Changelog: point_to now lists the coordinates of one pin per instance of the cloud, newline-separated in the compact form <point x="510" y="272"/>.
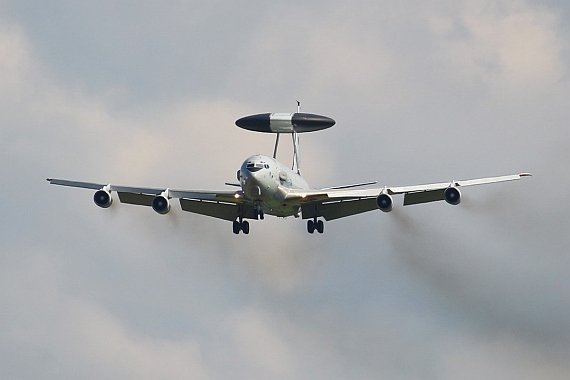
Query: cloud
<point x="62" y="335"/>
<point x="501" y="355"/>
<point x="507" y="46"/>
<point x="149" y="97"/>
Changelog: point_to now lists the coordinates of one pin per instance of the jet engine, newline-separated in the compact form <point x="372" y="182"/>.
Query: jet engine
<point x="103" y="198"/>
<point x="452" y="195"/>
<point x="161" y="204"/>
<point x="384" y="202"/>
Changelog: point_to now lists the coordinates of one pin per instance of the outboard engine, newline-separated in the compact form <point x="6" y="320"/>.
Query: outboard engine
<point x="384" y="202"/>
<point x="452" y="195"/>
<point x="161" y="204"/>
<point x="103" y="198"/>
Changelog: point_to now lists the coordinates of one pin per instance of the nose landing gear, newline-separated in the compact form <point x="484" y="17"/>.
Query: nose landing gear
<point x="315" y="224"/>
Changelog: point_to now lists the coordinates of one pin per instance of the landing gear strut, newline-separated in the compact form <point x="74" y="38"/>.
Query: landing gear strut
<point x="315" y="224"/>
<point x="258" y="214"/>
<point x="241" y="226"/>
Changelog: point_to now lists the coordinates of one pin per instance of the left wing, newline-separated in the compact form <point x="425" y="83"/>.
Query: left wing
<point x="334" y="203"/>
<point x="223" y="204"/>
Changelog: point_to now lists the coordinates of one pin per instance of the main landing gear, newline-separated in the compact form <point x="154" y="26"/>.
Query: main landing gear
<point x="241" y="226"/>
<point x="258" y="214"/>
<point x="315" y="224"/>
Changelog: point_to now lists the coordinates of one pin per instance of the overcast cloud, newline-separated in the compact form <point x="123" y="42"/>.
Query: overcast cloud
<point x="146" y="93"/>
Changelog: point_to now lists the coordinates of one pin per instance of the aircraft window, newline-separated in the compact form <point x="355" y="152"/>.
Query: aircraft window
<point x="255" y="166"/>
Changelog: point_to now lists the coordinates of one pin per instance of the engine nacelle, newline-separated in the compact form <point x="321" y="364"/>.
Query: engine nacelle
<point x="452" y="195"/>
<point x="161" y="204"/>
<point x="103" y="198"/>
<point x="384" y="202"/>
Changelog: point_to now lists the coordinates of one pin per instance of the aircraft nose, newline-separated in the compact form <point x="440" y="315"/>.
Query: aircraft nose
<point x="251" y="185"/>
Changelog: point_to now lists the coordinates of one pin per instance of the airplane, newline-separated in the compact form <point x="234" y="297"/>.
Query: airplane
<point x="268" y="187"/>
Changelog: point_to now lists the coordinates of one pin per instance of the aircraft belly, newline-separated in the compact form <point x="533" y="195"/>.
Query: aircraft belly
<point x="281" y="210"/>
<point x="276" y="207"/>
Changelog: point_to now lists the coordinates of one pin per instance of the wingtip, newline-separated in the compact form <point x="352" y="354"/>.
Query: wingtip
<point x="525" y="175"/>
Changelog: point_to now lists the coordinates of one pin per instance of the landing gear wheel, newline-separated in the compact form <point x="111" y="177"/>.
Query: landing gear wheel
<point x="236" y="227"/>
<point x="320" y="226"/>
<point x="241" y="226"/>
<point x="245" y="227"/>
<point x="310" y="226"/>
<point x="315" y="224"/>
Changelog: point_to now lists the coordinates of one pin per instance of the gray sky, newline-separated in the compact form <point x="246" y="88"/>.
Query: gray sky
<point x="146" y="93"/>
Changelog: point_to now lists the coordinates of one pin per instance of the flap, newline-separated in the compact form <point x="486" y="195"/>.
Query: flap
<point x="136" y="199"/>
<point x="424" y="197"/>
<point x="338" y="209"/>
<point x="220" y="210"/>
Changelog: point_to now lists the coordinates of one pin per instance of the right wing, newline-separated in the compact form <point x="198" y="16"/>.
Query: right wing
<point x="335" y="203"/>
<point x="223" y="204"/>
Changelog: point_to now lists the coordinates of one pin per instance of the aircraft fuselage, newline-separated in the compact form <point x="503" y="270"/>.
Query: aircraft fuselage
<point x="267" y="182"/>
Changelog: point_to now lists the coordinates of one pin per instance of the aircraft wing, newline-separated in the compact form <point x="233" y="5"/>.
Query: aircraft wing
<point x="221" y="204"/>
<point x="334" y="203"/>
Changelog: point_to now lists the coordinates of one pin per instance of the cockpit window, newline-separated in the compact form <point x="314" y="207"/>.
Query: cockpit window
<point x="255" y="166"/>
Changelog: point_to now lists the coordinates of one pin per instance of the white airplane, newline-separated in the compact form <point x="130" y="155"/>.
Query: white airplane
<point x="270" y="187"/>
